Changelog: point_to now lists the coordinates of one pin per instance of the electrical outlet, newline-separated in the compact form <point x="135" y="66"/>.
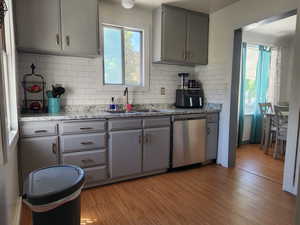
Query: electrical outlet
<point x="162" y="91"/>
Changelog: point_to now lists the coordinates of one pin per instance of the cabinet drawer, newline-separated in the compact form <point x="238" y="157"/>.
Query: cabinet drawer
<point x="212" y="118"/>
<point x="156" y="122"/>
<point x="82" y="127"/>
<point x="39" y="129"/>
<point x="85" y="159"/>
<point x="95" y="174"/>
<point x="126" y="124"/>
<point x="80" y="142"/>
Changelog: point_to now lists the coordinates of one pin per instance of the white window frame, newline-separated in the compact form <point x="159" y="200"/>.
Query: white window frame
<point x="146" y="57"/>
<point x="9" y="111"/>
<point x="142" y="71"/>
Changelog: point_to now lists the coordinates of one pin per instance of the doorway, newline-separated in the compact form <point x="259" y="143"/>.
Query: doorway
<point x="265" y="74"/>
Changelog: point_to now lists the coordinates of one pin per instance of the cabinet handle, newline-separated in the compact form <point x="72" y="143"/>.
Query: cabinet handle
<point x="184" y="55"/>
<point x="40" y="131"/>
<point x="86" y="128"/>
<point x="89" y="177"/>
<point x="146" y="139"/>
<point x="54" y="148"/>
<point x="57" y="39"/>
<point x="68" y="40"/>
<point x="86" y="161"/>
<point x="87" y="143"/>
<point x="208" y="130"/>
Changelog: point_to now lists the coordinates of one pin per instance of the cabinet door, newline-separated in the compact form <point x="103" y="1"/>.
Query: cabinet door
<point x="37" y="153"/>
<point x="156" y="154"/>
<point x="197" y="38"/>
<point x="173" y="34"/>
<point x="212" y="141"/>
<point x="38" y="25"/>
<point x="125" y="149"/>
<point x="80" y="27"/>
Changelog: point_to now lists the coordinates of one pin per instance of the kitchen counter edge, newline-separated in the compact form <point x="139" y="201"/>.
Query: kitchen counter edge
<point x="107" y="115"/>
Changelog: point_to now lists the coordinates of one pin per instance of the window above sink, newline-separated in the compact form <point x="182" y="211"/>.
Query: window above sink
<point x="123" y="58"/>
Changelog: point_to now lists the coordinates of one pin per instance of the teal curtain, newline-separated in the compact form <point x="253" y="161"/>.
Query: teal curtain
<point x="242" y="94"/>
<point x="262" y="85"/>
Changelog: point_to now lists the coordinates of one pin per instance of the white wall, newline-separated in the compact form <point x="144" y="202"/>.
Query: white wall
<point x="9" y="189"/>
<point x="264" y="39"/>
<point x="247" y="128"/>
<point x="82" y="76"/>
<point x="219" y="70"/>
<point x="288" y="52"/>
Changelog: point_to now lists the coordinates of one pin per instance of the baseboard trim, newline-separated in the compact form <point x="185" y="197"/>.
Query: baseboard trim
<point x="18" y="212"/>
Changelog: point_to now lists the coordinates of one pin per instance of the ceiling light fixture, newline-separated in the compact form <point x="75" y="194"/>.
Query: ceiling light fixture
<point x="128" y="4"/>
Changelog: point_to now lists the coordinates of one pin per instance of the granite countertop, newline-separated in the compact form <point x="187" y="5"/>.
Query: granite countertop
<point x="102" y="114"/>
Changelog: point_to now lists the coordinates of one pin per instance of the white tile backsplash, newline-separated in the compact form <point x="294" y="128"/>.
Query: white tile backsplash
<point x="213" y="81"/>
<point x="81" y="78"/>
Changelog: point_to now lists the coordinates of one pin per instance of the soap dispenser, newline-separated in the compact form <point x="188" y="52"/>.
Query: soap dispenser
<point x="112" y="105"/>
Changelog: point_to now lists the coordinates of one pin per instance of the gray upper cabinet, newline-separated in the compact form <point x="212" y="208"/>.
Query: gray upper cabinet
<point x="156" y="154"/>
<point x="212" y="141"/>
<point x="38" y="152"/>
<point x="173" y="46"/>
<point x="197" y="38"/>
<point x="80" y="26"/>
<point x="180" y="36"/>
<point x="61" y="27"/>
<point x="38" y="25"/>
<point x="125" y="149"/>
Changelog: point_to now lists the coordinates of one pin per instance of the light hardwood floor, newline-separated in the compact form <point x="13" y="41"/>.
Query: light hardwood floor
<point x="210" y="195"/>
<point x="252" y="159"/>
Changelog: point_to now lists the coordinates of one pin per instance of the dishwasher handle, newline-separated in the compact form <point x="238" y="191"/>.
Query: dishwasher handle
<point x="189" y="117"/>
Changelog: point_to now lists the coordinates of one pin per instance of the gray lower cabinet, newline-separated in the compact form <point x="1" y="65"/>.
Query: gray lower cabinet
<point x="212" y="141"/>
<point x="125" y="149"/>
<point x="156" y="149"/>
<point x="38" y="152"/>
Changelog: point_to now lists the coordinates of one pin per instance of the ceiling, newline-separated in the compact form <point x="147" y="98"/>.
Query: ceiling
<point x="278" y="29"/>
<point x="207" y="6"/>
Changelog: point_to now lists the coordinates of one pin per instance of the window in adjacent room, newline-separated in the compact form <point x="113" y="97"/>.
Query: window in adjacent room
<point x="9" y="120"/>
<point x="123" y="60"/>
<point x="250" y="79"/>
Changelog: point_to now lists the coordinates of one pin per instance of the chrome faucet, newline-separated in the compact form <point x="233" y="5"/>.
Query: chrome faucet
<point x="126" y="94"/>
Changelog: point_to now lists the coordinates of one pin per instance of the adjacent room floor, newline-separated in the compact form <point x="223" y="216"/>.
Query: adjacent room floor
<point x="210" y="195"/>
<point x="253" y="160"/>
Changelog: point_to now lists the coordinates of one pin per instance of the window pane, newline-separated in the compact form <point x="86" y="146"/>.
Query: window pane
<point x="6" y="85"/>
<point x="250" y="89"/>
<point x="112" y="55"/>
<point x="133" y="57"/>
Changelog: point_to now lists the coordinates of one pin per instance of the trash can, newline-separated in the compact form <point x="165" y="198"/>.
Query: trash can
<point x="53" y="194"/>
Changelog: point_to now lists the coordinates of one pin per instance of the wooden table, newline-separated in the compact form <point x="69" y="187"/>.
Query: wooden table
<point x="269" y="117"/>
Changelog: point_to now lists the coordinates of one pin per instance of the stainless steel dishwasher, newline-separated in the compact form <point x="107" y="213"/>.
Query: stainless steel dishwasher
<point x="189" y="140"/>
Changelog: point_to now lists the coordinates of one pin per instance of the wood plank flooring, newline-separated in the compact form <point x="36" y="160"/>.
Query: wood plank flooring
<point x="252" y="159"/>
<point x="210" y="195"/>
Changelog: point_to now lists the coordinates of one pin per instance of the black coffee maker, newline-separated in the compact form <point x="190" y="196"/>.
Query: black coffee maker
<point x="189" y="96"/>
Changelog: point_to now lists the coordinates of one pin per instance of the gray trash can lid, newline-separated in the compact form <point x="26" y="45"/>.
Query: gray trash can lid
<point x="51" y="184"/>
